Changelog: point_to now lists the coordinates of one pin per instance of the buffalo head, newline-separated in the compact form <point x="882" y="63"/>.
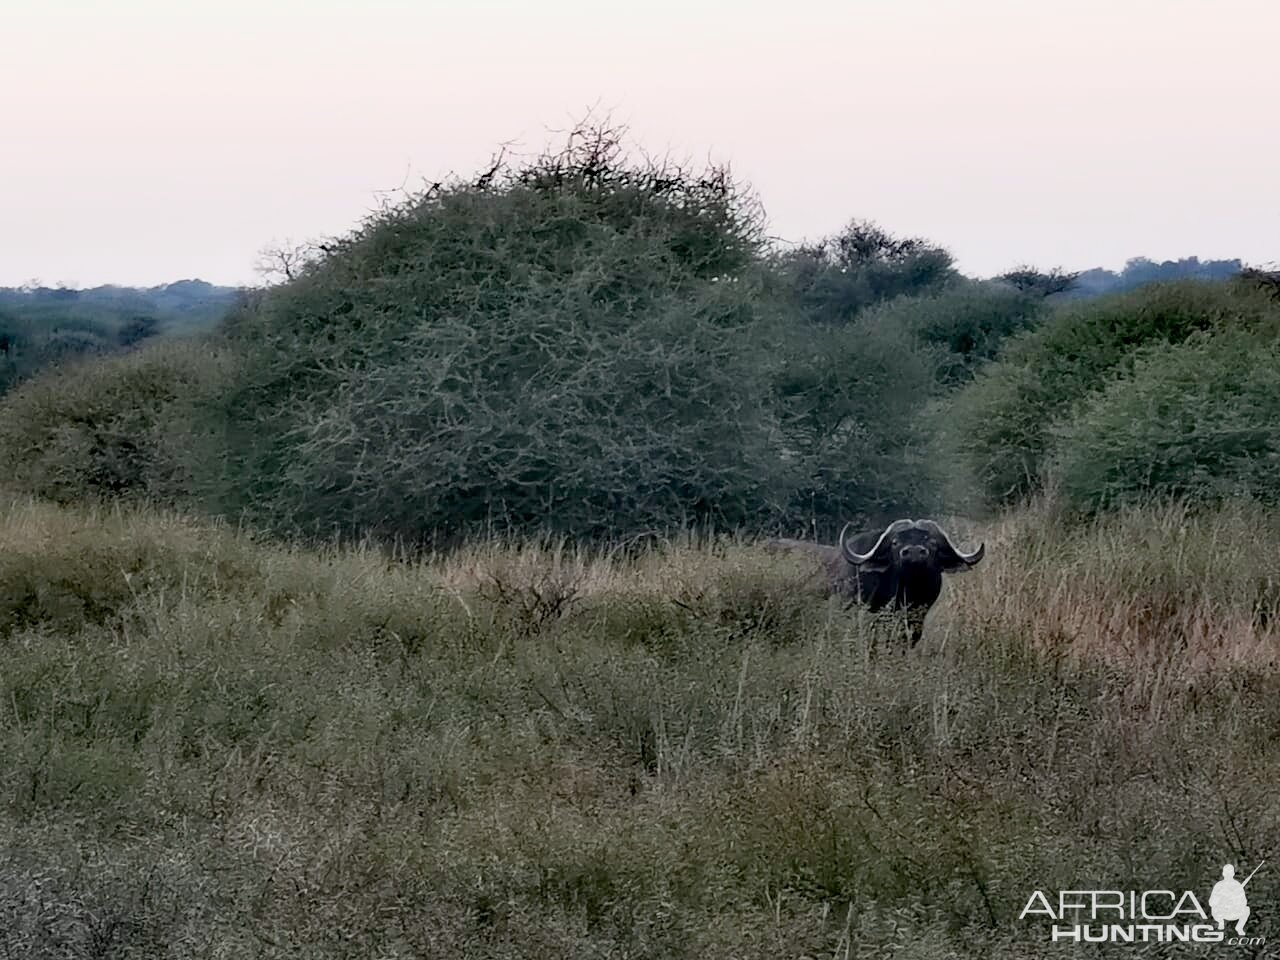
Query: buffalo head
<point x="907" y="544"/>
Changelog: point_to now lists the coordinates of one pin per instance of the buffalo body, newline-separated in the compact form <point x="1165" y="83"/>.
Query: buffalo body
<point x="898" y="568"/>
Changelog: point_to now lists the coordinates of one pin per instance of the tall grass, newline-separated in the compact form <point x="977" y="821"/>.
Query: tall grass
<point x="221" y="747"/>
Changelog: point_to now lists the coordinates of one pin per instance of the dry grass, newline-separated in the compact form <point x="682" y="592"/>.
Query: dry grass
<point x="1159" y="589"/>
<point x="217" y="747"/>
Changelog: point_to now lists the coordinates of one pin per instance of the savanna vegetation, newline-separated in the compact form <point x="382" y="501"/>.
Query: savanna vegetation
<point x="416" y="608"/>
<point x="218" y="746"/>
<point x="44" y="327"/>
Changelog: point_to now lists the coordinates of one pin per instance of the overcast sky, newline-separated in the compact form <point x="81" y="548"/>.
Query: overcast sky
<point x="147" y="141"/>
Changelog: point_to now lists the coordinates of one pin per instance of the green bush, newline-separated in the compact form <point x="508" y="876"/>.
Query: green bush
<point x="999" y="428"/>
<point x="860" y="401"/>
<point x="1199" y="420"/>
<point x="27" y="346"/>
<point x="852" y="402"/>
<point x="119" y="426"/>
<point x="964" y="323"/>
<point x="15" y="350"/>
<point x="833" y="280"/>
<point x="1040" y="283"/>
<point x="576" y="345"/>
<point x="34" y="339"/>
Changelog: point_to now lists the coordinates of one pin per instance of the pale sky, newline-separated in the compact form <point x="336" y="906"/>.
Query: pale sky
<point x="146" y="141"/>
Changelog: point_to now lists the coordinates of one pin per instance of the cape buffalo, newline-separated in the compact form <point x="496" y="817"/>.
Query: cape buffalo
<point x="898" y="568"/>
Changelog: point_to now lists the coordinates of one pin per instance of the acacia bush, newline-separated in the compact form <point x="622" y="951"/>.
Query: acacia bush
<point x="132" y="425"/>
<point x="851" y="402"/>
<point x="1199" y="421"/>
<point x="39" y="337"/>
<point x="999" y="429"/>
<point x="1040" y="283"/>
<point x="963" y="323"/>
<point x="576" y="344"/>
<point x="27" y="346"/>
<point x="834" y="279"/>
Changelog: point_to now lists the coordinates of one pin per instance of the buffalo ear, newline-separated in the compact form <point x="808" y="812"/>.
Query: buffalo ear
<point x="949" y="558"/>
<point x="879" y="562"/>
<point x="880" y="558"/>
<point x="953" y="562"/>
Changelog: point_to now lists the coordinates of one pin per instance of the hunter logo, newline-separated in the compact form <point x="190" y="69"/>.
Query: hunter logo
<point x="1228" y="900"/>
<point x="1148" y="916"/>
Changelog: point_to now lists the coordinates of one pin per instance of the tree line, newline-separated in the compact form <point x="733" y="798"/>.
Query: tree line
<point x="590" y="344"/>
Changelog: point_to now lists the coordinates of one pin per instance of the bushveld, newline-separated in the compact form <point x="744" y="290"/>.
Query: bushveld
<point x="218" y="746"/>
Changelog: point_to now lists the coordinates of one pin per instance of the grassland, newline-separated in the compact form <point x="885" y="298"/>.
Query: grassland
<point x="216" y="746"/>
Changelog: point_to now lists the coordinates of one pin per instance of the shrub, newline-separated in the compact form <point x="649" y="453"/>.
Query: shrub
<point x="136" y="329"/>
<point x="28" y="345"/>
<point x="964" y="323"/>
<point x="833" y="280"/>
<point x="69" y="343"/>
<point x="117" y="426"/>
<point x="573" y="345"/>
<point x="1038" y="282"/>
<point x="15" y="350"/>
<point x="852" y="404"/>
<point x="860" y="401"/>
<point x="1199" y="420"/>
<point x="999" y="427"/>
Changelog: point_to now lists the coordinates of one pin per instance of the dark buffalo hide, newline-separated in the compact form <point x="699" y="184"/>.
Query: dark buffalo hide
<point x="898" y="568"/>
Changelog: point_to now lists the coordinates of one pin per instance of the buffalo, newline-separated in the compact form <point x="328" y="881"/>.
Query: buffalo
<point x="898" y="568"/>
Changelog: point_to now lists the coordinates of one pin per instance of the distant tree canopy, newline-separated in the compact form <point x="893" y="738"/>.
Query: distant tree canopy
<point x="45" y="326"/>
<point x="833" y="280"/>
<point x="27" y="346"/>
<point x="1039" y="282"/>
<point x="184" y="302"/>
<point x="136" y="329"/>
<point x="1139" y="271"/>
